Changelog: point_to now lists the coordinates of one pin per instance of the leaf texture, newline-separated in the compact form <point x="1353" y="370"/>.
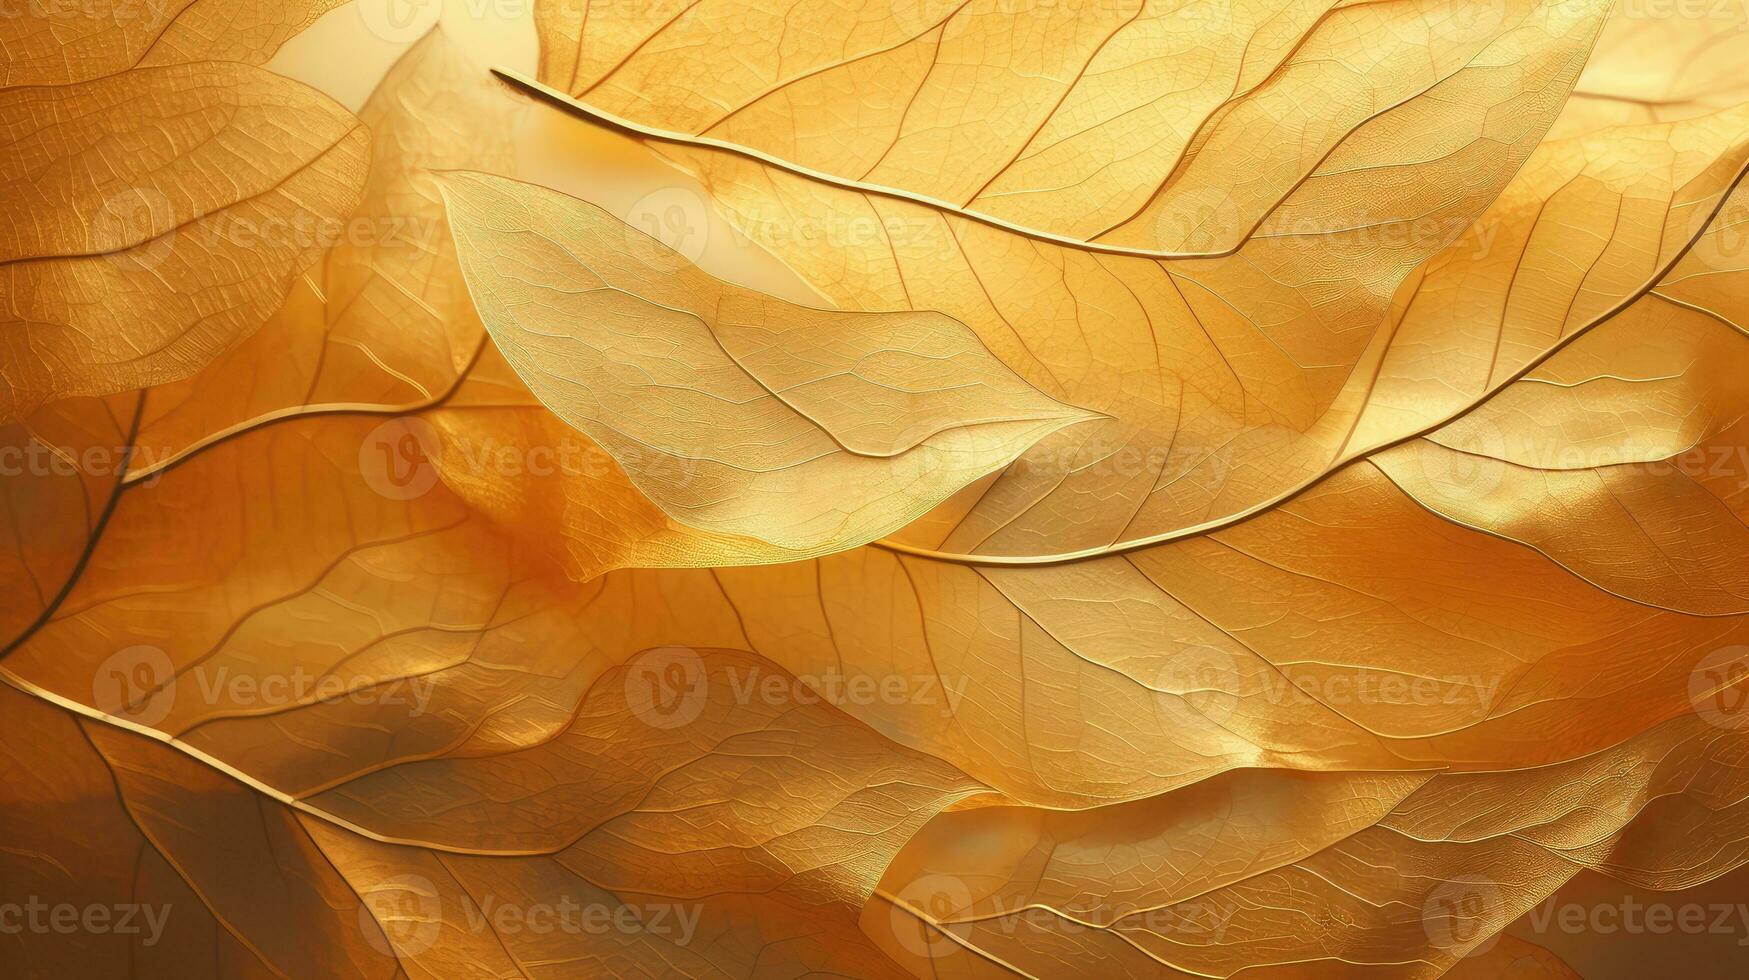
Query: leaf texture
<point x="156" y="216"/>
<point x="734" y="411"/>
<point x="58" y="44"/>
<point x="1248" y="499"/>
<point x="1243" y="380"/>
<point x="1116" y="124"/>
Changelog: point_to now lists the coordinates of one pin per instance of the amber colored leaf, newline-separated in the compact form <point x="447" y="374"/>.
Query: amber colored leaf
<point x="1130" y="126"/>
<point x="1408" y="875"/>
<point x="222" y="880"/>
<point x="1659" y="62"/>
<point x="1229" y="384"/>
<point x="155" y="217"/>
<point x="383" y="321"/>
<point x="1591" y="226"/>
<point x="1387" y="573"/>
<point x="433" y="654"/>
<point x="54" y="43"/>
<point x="1075" y="685"/>
<point x="734" y="411"/>
<point x="1624" y="457"/>
<point x="214" y="879"/>
<point x="61" y="466"/>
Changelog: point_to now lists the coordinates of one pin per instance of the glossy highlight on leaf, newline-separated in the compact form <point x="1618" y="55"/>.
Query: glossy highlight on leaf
<point x="919" y="488"/>
<point x="736" y="412"/>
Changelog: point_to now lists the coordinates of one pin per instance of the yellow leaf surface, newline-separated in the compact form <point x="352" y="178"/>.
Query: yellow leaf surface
<point x="53" y="43"/>
<point x="1624" y="457"/>
<point x="157" y="216"/>
<point x="1659" y="62"/>
<point x="1229" y="384"/>
<point x="1239" y="500"/>
<point x="1134" y="126"/>
<point x="383" y="320"/>
<point x="209" y="878"/>
<point x="217" y="879"/>
<point x="734" y="411"/>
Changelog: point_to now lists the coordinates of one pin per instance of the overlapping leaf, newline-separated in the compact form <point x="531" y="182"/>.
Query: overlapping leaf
<point x="1657" y="62"/>
<point x="157" y="207"/>
<point x="736" y="412"/>
<point x="1399" y="580"/>
<point x="1118" y="124"/>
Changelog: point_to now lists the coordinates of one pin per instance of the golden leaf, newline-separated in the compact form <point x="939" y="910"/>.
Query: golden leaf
<point x="218" y="879"/>
<point x="1231" y="383"/>
<point x="1130" y="126"/>
<point x="1659" y="62"/>
<point x="1621" y="458"/>
<point x="1244" y="502"/>
<point x="1232" y="874"/>
<point x="194" y="875"/>
<point x="383" y="322"/>
<point x="54" y="43"/>
<point x="62" y="466"/>
<point x="736" y="412"/>
<point x="159" y="213"/>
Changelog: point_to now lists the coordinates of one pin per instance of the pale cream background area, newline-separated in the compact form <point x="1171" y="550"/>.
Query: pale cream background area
<point x="347" y="52"/>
